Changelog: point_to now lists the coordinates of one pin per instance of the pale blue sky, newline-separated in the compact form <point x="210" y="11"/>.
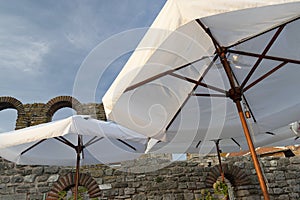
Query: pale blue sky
<point x="43" y="43"/>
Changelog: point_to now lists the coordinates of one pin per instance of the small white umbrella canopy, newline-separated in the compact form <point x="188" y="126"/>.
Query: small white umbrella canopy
<point x="201" y="61"/>
<point x="72" y="141"/>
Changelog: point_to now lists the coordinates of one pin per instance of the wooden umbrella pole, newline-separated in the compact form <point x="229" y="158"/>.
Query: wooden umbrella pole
<point x="235" y="93"/>
<point x="252" y="151"/>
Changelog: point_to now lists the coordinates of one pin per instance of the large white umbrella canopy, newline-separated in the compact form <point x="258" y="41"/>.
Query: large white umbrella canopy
<point x="177" y="52"/>
<point x="74" y="141"/>
<point x="201" y="61"/>
<point x="53" y="143"/>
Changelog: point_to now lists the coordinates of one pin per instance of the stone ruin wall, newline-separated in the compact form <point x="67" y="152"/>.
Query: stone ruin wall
<point x="149" y="178"/>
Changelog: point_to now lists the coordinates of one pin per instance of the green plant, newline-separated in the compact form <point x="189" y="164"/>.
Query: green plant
<point x="81" y="192"/>
<point x="221" y="187"/>
<point x="206" y="195"/>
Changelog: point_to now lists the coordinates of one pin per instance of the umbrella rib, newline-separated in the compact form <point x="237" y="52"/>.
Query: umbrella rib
<point x="198" y="83"/>
<point x="65" y="141"/>
<point x="264" y="56"/>
<point x="207" y="30"/>
<point x="190" y="94"/>
<point x="31" y="147"/>
<point x="197" y="145"/>
<point x="92" y="141"/>
<point x="264" y="76"/>
<point x="122" y="141"/>
<point x="258" y="61"/>
<point x="209" y="95"/>
<point x="162" y="74"/>
<point x="271" y="29"/>
<point x="236" y="142"/>
<point x="269" y="133"/>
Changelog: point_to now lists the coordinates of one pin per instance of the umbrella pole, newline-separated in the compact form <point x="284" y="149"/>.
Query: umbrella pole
<point x="77" y="176"/>
<point x="252" y="151"/>
<point x="78" y="151"/>
<point x="235" y="93"/>
<point x="219" y="158"/>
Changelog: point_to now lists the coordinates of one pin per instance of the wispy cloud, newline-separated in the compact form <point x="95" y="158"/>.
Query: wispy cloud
<point x="22" y="53"/>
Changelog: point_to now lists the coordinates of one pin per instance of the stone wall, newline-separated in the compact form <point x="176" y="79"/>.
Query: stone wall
<point x="149" y="178"/>
<point x="156" y="179"/>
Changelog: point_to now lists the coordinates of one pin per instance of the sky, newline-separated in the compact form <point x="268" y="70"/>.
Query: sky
<point x="45" y="46"/>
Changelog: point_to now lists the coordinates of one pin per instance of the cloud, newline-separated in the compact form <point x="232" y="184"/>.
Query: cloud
<point x="22" y="53"/>
<point x="43" y="43"/>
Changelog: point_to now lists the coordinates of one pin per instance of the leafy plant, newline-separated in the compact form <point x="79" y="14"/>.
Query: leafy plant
<point x="81" y="194"/>
<point x="206" y="195"/>
<point x="221" y="187"/>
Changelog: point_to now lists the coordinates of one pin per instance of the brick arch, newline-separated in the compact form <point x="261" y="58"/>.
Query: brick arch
<point x="11" y="102"/>
<point x="67" y="182"/>
<point x="62" y="102"/>
<point x="235" y="175"/>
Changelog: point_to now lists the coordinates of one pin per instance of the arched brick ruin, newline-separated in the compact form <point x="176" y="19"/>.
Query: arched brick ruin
<point x="37" y="113"/>
<point x="13" y="103"/>
<point x="62" y="102"/>
<point x="235" y="175"/>
<point x="66" y="182"/>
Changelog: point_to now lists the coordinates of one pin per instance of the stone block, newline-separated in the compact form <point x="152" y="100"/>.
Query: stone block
<point x="53" y="178"/>
<point x="242" y="193"/>
<point x="283" y="197"/>
<point x="129" y="191"/>
<point x="13" y="197"/>
<point x="277" y="190"/>
<point x="38" y="171"/>
<point x="295" y="160"/>
<point x="51" y="169"/>
<point x="29" y="178"/>
<point x="17" y="179"/>
<point x="191" y="185"/>
<point x="42" y="178"/>
<point x="139" y="197"/>
<point x="273" y="163"/>
<point x="294" y="195"/>
<point x="189" y="195"/>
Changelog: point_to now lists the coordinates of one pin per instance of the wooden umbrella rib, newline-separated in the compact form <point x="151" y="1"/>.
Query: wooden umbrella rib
<point x="65" y="141"/>
<point x="245" y="53"/>
<point x="122" y="141"/>
<point x="93" y="141"/>
<point x="209" y="95"/>
<point x="258" y="61"/>
<point x="199" y="83"/>
<point x="264" y="76"/>
<point x="207" y="30"/>
<point x="31" y="147"/>
<point x="236" y="142"/>
<point x="198" y="144"/>
<point x="194" y="88"/>
<point x="162" y="75"/>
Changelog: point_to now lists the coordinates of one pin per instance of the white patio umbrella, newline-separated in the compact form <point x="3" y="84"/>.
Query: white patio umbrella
<point x="78" y="140"/>
<point x="201" y="62"/>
